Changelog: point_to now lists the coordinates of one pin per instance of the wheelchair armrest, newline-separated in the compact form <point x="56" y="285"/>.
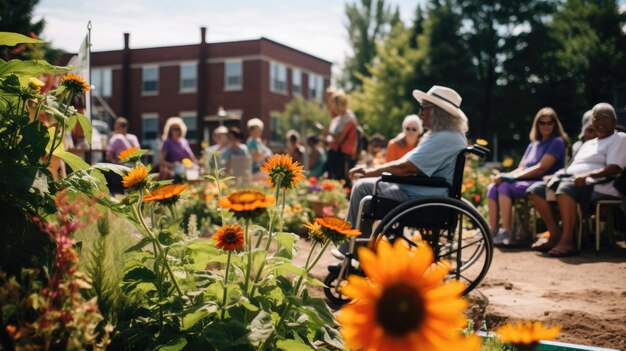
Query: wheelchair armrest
<point x="436" y="182"/>
<point x="478" y="150"/>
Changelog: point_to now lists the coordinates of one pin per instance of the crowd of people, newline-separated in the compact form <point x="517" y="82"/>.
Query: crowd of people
<point x="427" y="144"/>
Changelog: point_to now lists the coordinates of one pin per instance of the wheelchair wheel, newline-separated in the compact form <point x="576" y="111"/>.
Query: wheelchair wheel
<point x="457" y="233"/>
<point x="330" y="290"/>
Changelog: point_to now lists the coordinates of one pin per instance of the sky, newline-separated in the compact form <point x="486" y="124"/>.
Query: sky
<point x="316" y="27"/>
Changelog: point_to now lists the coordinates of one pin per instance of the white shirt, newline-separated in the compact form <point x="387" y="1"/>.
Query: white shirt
<point x="599" y="153"/>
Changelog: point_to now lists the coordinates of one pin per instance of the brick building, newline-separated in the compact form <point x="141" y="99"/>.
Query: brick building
<point x="249" y="78"/>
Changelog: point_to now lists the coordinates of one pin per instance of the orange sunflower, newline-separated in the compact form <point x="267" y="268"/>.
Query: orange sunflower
<point x="336" y="229"/>
<point x="136" y="177"/>
<point x="74" y="83"/>
<point x="404" y="303"/>
<point x="525" y="335"/>
<point x="229" y="237"/>
<point x="124" y="155"/>
<point x="282" y="168"/>
<point x="166" y="193"/>
<point x="247" y="203"/>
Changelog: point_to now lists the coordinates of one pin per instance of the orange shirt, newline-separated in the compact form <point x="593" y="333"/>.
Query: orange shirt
<point x="396" y="150"/>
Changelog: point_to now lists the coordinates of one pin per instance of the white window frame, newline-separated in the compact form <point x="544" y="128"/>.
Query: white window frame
<point x="296" y="84"/>
<point x="183" y="89"/>
<point x="278" y="75"/>
<point x="186" y="115"/>
<point x="143" y="81"/>
<point x="316" y="85"/>
<point x="227" y="85"/>
<point x="102" y="79"/>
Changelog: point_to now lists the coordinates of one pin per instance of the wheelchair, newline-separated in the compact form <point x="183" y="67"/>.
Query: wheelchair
<point x="451" y="225"/>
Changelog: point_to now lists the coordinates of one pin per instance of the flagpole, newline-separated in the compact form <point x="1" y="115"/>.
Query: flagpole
<point x="88" y="95"/>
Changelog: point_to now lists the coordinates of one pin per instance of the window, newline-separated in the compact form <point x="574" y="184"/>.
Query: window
<point x="188" y="77"/>
<point x="101" y="79"/>
<point x="278" y="78"/>
<point x="316" y="86"/>
<point x="296" y="82"/>
<point x="149" y="128"/>
<point x="233" y="75"/>
<point x="191" y="121"/>
<point x="150" y="80"/>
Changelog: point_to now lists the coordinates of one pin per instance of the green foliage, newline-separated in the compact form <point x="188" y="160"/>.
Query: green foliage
<point x="302" y="115"/>
<point x="367" y="23"/>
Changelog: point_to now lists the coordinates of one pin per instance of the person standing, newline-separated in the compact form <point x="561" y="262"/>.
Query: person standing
<point x="256" y="147"/>
<point x="342" y="149"/>
<point x="120" y="141"/>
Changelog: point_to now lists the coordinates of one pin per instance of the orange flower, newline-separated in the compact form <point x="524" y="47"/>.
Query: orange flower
<point x="482" y="142"/>
<point x="127" y="153"/>
<point x="327" y="185"/>
<point x="526" y="333"/>
<point x="136" y="177"/>
<point x="166" y="192"/>
<point x="246" y="204"/>
<point x="74" y="83"/>
<point x="229" y="237"/>
<point x="315" y="231"/>
<point x="282" y="168"/>
<point x="336" y="229"/>
<point x="403" y="304"/>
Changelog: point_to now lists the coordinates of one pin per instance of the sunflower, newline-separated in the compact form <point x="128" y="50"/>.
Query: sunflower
<point x="124" y="155"/>
<point x="315" y="231"/>
<point x="166" y="193"/>
<point x="35" y="84"/>
<point x="282" y="168"/>
<point x="229" y="237"/>
<point x="525" y="335"/>
<point x="336" y="229"/>
<point x="404" y="303"/>
<point x="136" y="177"/>
<point x="247" y="203"/>
<point x="74" y="83"/>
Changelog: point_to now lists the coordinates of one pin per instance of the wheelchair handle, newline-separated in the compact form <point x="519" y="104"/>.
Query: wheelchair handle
<point x="478" y="150"/>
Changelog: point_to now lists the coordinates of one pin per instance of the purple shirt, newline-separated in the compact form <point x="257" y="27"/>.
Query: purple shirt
<point x="554" y="146"/>
<point x="176" y="151"/>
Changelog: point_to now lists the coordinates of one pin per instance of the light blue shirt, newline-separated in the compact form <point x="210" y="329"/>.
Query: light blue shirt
<point x="435" y="157"/>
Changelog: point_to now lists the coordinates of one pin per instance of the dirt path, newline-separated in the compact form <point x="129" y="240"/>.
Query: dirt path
<point x="585" y="294"/>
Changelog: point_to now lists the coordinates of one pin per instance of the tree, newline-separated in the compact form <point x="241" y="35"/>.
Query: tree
<point x="301" y="115"/>
<point x="368" y="23"/>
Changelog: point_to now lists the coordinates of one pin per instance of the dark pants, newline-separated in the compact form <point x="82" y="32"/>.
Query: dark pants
<point x="338" y="164"/>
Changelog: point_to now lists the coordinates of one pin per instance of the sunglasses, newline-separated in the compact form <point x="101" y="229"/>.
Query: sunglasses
<point x="409" y="129"/>
<point x="424" y="107"/>
<point x="175" y="129"/>
<point x="545" y="123"/>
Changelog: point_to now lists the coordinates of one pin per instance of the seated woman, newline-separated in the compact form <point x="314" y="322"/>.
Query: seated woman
<point x="407" y="140"/>
<point x="435" y="156"/>
<point x="175" y="148"/>
<point x="597" y="159"/>
<point x="586" y="133"/>
<point x="234" y="148"/>
<point x="544" y="155"/>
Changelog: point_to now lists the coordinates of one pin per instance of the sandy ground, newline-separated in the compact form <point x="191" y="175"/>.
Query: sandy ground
<point x="586" y="294"/>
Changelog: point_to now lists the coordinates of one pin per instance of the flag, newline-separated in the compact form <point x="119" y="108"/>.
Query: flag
<point x="83" y="69"/>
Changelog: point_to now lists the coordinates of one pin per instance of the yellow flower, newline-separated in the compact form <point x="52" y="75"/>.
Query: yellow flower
<point x="404" y="303"/>
<point x="166" y="193"/>
<point x="246" y="204"/>
<point x="74" y="83"/>
<point x="315" y="231"/>
<point x="282" y="168"/>
<point x="526" y="333"/>
<point x="35" y="84"/>
<point x="336" y="229"/>
<point x="297" y="208"/>
<point x="136" y="177"/>
<point x="229" y="237"/>
<point x="124" y="155"/>
<point x="507" y="162"/>
<point x="482" y="142"/>
<point x="187" y="163"/>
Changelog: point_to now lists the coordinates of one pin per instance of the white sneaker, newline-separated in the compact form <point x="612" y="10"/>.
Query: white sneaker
<point x="503" y="237"/>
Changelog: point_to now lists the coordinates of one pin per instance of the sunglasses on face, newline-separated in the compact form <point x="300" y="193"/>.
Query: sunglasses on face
<point x="425" y="107"/>
<point x="175" y="129"/>
<point x="410" y="129"/>
<point x="545" y="123"/>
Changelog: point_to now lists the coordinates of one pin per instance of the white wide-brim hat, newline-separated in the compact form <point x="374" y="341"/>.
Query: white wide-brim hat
<point x="446" y="98"/>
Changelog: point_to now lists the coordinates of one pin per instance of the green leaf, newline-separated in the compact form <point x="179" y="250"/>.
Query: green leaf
<point x="12" y="39"/>
<point x="74" y="161"/>
<point x="174" y="345"/>
<point x="31" y="68"/>
<point x="86" y="125"/>
<point x="118" y="169"/>
<point x="292" y="345"/>
<point x="287" y="240"/>
<point x="191" y="319"/>
<point x="139" y="245"/>
<point x="261" y="327"/>
<point x="140" y="273"/>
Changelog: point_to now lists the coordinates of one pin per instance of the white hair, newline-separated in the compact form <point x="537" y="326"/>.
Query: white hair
<point x="413" y="119"/>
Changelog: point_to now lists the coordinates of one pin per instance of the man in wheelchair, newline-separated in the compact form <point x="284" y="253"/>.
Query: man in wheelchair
<point x="435" y="155"/>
